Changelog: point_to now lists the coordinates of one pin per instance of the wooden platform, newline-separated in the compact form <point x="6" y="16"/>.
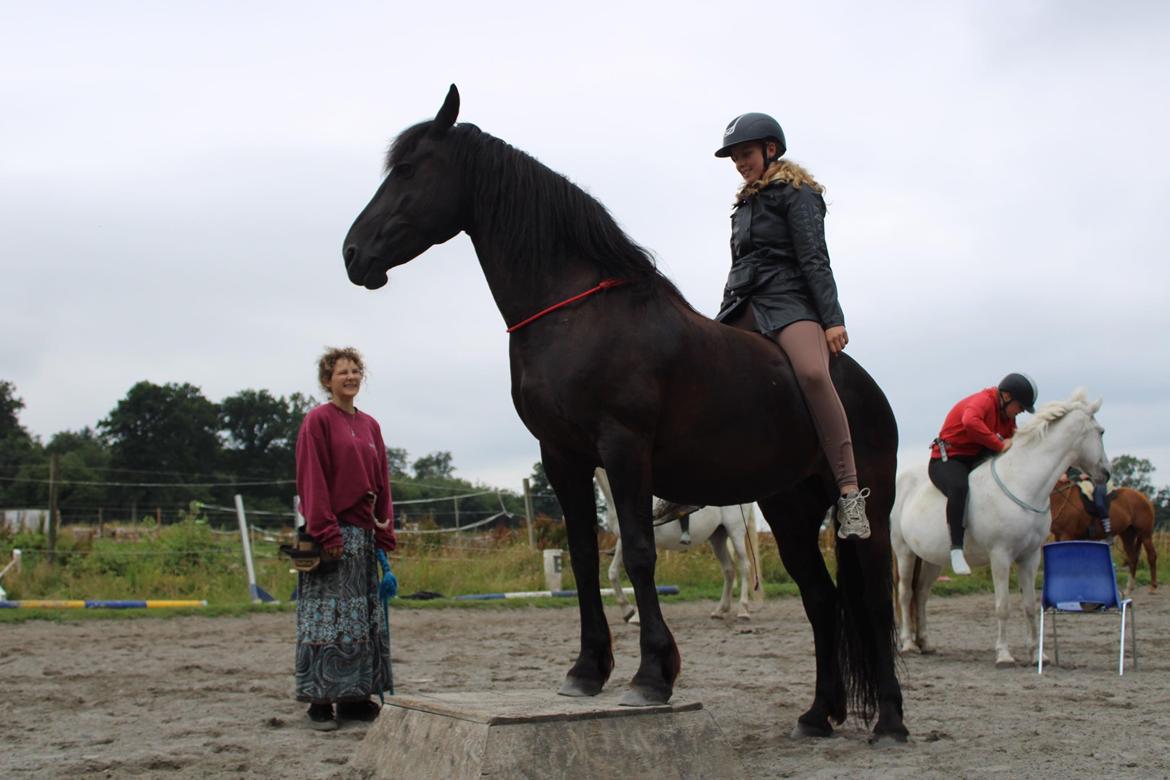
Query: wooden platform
<point x="538" y="734"/>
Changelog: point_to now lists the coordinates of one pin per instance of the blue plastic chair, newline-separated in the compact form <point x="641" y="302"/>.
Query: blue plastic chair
<point x="1079" y="577"/>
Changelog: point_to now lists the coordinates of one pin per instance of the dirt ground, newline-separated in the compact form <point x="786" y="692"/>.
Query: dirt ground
<point x="205" y="698"/>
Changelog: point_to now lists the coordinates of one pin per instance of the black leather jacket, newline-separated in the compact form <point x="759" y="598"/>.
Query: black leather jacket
<point x="779" y="260"/>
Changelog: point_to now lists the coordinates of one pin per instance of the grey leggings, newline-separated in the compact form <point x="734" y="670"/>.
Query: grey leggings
<point x="804" y="343"/>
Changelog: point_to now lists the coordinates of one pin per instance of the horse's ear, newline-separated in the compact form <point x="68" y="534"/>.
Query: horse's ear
<point x="1095" y="406"/>
<point x="447" y="114"/>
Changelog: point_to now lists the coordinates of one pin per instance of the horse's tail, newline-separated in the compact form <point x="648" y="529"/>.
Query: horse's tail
<point x="866" y="632"/>
<point x="752" y="544"/>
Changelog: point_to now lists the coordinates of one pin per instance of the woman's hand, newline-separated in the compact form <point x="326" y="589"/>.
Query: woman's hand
<point x="837" y="338"/>
<point x="1007" y="445"/>
<point x="334" y="553"/>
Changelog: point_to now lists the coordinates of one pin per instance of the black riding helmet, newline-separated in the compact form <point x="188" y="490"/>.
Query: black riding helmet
<point x="752" y="127"/>
<point x="1022" y="388"/>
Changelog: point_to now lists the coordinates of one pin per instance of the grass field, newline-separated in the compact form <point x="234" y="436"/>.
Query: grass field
<point x="189" y="560"/>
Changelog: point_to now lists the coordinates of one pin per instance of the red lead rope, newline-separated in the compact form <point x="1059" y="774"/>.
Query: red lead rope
<point x="604" y="284"/>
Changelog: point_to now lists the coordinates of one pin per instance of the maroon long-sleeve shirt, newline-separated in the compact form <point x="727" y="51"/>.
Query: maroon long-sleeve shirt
<point x="341" y="465"/>
<point x="975" y="424"/>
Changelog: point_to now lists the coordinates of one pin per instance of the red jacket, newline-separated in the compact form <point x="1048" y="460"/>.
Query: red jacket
<point x="975" y="424"/>
<point x="341" y="460"/>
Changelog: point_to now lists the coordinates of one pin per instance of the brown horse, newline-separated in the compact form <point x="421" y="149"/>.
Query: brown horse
<point x="669" y="402"/>
<point x="1131" y="515"/>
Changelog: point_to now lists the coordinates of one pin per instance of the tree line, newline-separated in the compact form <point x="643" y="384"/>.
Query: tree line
<point x="163" y="446"/>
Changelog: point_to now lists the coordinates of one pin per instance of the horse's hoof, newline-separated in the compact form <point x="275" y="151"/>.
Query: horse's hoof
<point x="717" y="615"/>
<point x="635" y="620"/>
<point x="1005" y="663"/>
<point x="575" y="686"/>
<point x="889" y="739"/>
<point x="644" y="697"/>
<point x="629" y="615"/>
<point x="909" y="648"/>
<point x="808" y="731"/>
<point x="743" y="616"/>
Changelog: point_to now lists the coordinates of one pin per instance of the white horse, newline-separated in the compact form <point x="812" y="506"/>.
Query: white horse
<point x="716" y="525"/>
<point x="1007" y="517"/>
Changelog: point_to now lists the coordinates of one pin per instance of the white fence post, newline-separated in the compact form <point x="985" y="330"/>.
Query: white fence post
<point x="257" y="593"/>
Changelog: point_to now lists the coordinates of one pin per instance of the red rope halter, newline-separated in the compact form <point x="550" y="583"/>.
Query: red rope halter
<point x="604" y="284"/>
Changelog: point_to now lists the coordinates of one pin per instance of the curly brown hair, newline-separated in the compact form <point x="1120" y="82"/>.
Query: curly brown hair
<point x="329" y="360"/>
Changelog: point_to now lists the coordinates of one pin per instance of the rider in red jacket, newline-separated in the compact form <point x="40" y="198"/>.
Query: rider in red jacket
<point x="976" y="427"/>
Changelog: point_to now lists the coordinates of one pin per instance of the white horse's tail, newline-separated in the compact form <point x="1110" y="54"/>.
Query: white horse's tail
<point x="753" y="551"/>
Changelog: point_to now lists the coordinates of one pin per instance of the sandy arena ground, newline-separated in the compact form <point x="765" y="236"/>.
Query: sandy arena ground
<point x="206" y="698"/>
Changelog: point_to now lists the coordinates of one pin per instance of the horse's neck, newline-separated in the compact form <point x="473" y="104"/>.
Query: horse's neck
<point x="1031" y="469"/>
<point x="521" y="292"/>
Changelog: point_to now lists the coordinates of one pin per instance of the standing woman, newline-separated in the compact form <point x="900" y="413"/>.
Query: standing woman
<point x="343" y="479"/>
<point x="780" y="285"/>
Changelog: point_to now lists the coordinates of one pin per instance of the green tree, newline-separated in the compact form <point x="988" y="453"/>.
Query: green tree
<point x="162" y="433"/>
<point x="260" y="436"/>
<point x="544" y="498"/>
<point x="1136" y="473"/>
<point x="437" y="465"/>
<point x="397" y="458"/>
<point x="84" y="460"/>
<point x="22" y="458"/>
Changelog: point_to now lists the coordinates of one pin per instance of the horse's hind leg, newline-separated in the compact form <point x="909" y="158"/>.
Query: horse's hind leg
<point x="739" y="543"/>
<point x="627" y="461"/>
<point x="572" y="479"/>
<point x="718" y="542"/>
<point x="1151" y="559"/>
<point x="795" y="519"/>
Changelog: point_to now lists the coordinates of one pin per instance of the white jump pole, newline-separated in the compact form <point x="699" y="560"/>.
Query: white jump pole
<point x="258" y="595"/>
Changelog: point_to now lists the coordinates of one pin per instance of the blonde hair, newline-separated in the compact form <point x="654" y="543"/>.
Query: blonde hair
<point x="328" y="360"/>
<point x="780" y="171"/>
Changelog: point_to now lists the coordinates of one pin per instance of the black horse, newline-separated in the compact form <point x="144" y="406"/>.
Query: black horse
<point x="668" y="401"/>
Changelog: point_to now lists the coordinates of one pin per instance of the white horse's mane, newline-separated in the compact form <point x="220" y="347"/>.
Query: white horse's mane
<point x="1053" y="411"/>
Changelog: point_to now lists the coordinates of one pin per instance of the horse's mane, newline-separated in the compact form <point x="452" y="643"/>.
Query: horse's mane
<point x="1050" y="413"/>
<point x="537" y="211"/>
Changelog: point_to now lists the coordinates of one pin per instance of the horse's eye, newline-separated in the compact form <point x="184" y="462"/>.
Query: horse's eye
<point x="404" y="170"/>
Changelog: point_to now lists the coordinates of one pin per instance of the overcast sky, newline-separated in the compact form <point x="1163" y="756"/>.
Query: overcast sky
<point x="176" y="181"/>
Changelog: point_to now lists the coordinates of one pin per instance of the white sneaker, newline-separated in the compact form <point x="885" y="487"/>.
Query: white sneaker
<point x="959" y="563"/>
<point x="851" y="515"/>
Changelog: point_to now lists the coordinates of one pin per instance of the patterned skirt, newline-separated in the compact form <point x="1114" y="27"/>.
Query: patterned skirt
<point x="343" y="645"/>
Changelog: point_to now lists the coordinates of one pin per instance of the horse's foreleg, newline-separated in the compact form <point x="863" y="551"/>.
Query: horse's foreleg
<point x="629" y="476"/>
<point x="615" y="582"/>
<point x="718" y="542"/>
<point x="1001" y="566"/>
<point x="572" y="479"/>
<point x="1026" y="569"/>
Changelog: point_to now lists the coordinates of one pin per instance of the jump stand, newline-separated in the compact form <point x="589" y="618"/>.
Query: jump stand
<point x="538" y="734"/>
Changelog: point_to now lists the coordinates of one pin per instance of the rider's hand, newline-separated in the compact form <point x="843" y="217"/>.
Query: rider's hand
<point x="1007" y="445"/>
<point x="334" y="553"/>
<point x="837" y="338"/>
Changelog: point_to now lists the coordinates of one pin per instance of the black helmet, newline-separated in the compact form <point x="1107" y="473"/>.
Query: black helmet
<point x="751" y="127"/>
<point x="1022" y="388"/>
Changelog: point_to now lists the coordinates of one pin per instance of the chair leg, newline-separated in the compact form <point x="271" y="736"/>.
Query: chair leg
<point x="1133" y="635"/>
<point x="1127" y="609"/>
